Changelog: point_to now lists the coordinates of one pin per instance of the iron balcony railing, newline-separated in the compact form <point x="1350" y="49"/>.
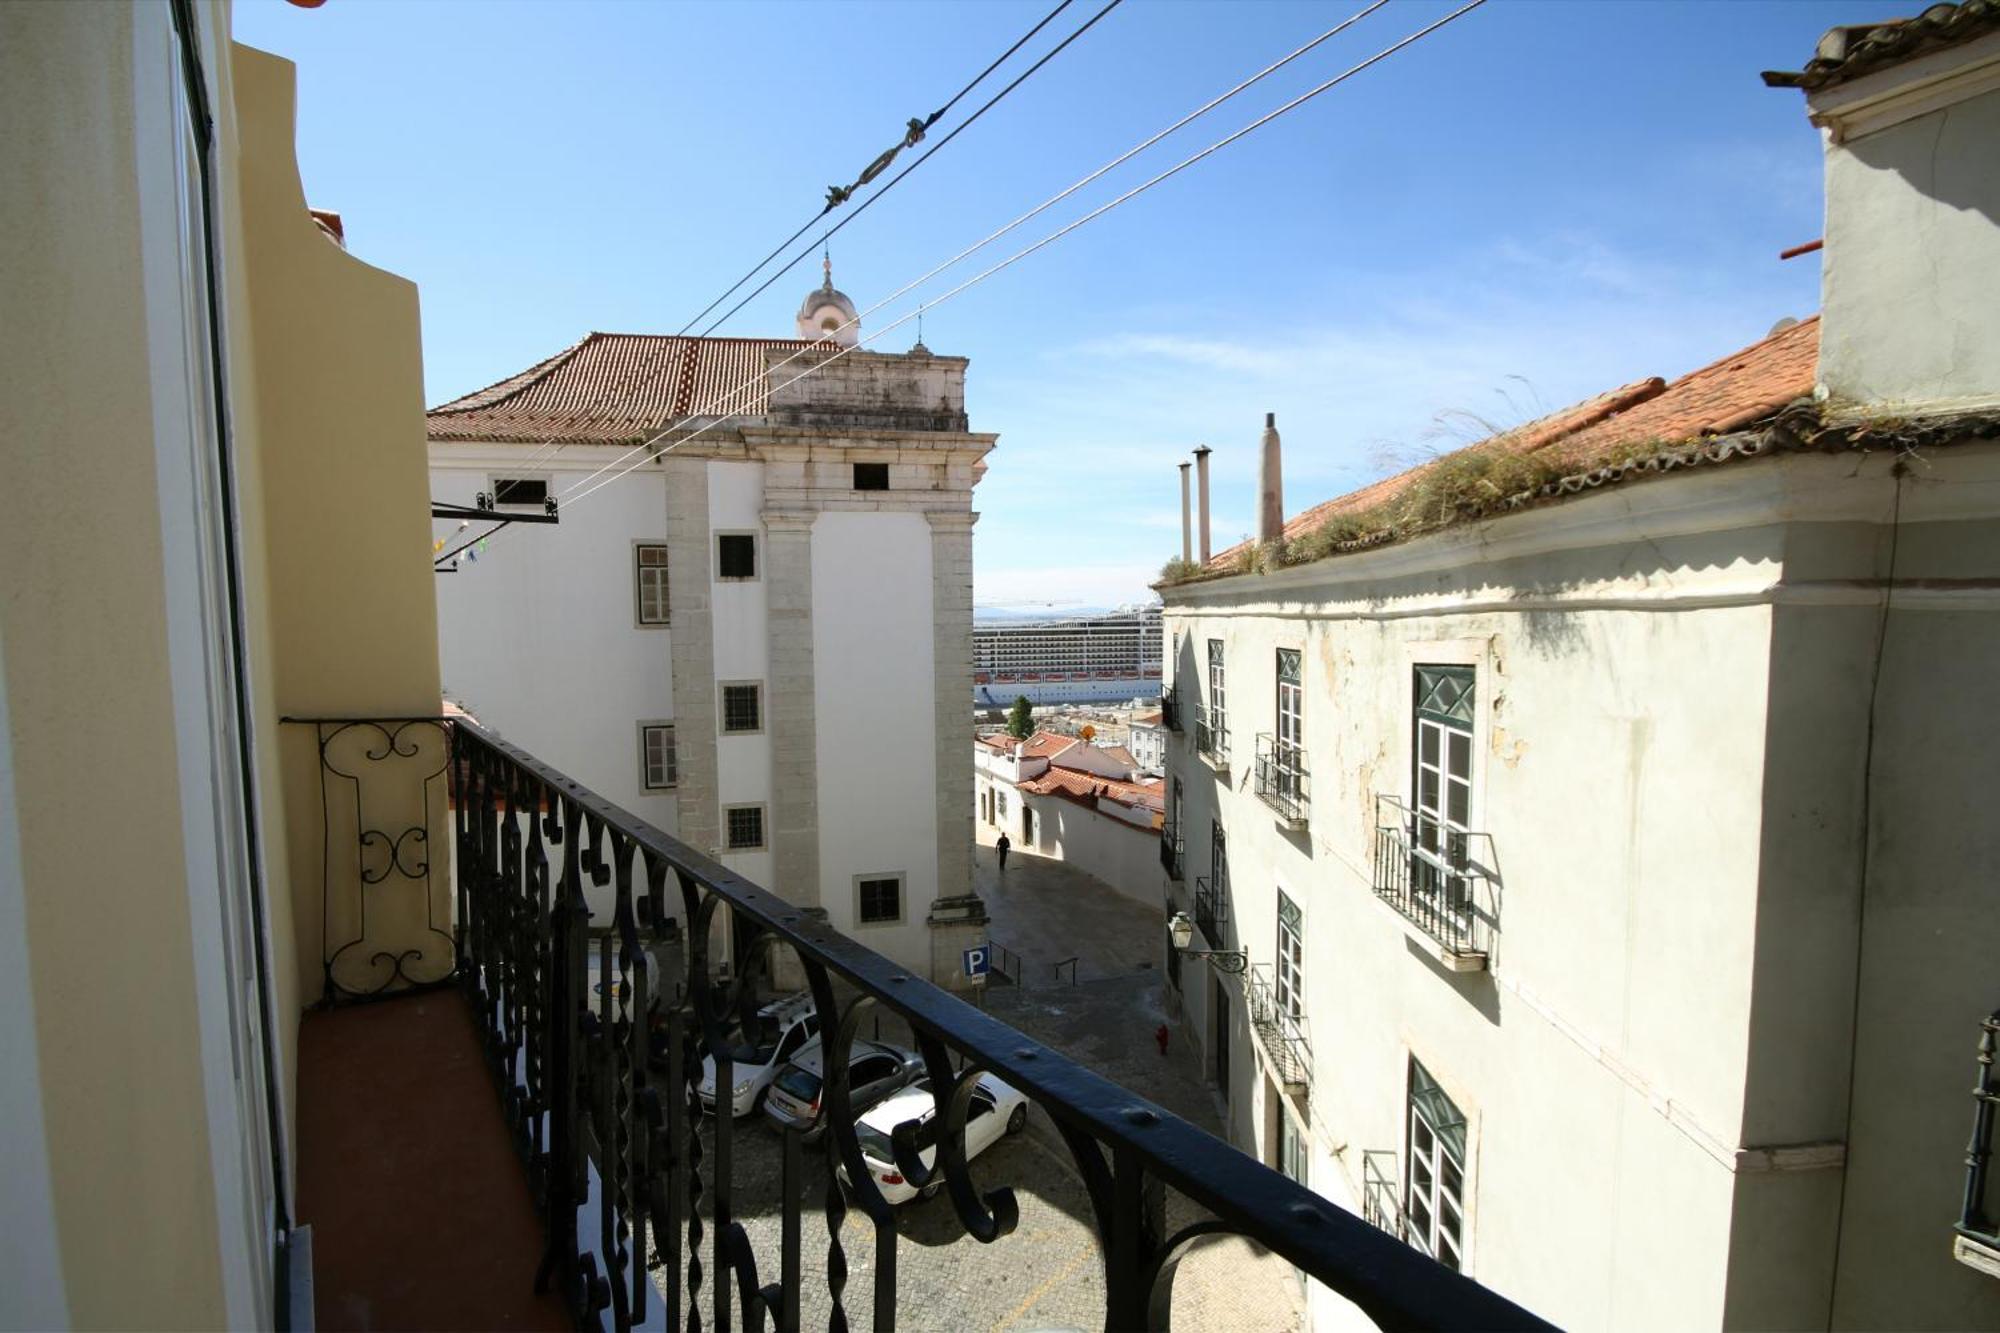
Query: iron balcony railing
<point x="1978" y="1234"/>
<point x="1282" y="781"/>
<point x="1211" y="735"/>
<point x="1428" y="871"/>
<point x="1172" y="853"/>
<point x="1279" y="1029"/>
<point x="1381" y="1203"/>
<point x="595" y="1049"/>
<point x="1211" y="912"/>
<point x="1170" y="708"/>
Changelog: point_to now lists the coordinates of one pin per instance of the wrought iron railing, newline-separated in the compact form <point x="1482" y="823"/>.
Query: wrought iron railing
<point x="1279" y="1029"/>
<point x="1975" y="1220"/>
<point x="1430" y="872"/>
<point x="1282" y="781"/>
<point x="1211" y="735"/>
<point x="598" y="1071"/>
<point x="1211" y="912"/>
<point x="1381" y="1203"/>
<point x="1172" y="853"/>
<point x="1170" y="708"/>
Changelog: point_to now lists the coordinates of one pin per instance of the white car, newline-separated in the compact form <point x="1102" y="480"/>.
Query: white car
<point x="783" y="1030"/>
<point x="996" y="1109"/>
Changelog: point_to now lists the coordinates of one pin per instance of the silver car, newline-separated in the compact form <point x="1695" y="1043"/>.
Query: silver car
<point x="873" y="1072"/>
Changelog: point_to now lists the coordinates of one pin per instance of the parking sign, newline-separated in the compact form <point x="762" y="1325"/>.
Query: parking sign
<point x="975" y="961"/>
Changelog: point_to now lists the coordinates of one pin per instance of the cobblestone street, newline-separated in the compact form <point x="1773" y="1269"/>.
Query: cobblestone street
<point x="1048" y="1274"/>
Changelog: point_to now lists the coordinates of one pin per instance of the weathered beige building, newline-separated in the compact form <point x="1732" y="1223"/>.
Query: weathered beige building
<point x="1599" y="810"/>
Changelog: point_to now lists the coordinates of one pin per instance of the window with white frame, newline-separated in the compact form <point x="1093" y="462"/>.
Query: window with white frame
<point x="742" y="707"/>
<point x="659" y="766"/>
<point x="1291" y="971"/>
<point x="649" y="582"/>
<point x="878" y="899"/>
<point x="1434" y="1181"/>
<point x="1218" y="700"/>
<point x="745" y="826"/>
<point x="1441" y="782"/>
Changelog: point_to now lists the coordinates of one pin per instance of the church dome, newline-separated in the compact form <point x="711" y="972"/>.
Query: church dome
<point x="828" y="314"/>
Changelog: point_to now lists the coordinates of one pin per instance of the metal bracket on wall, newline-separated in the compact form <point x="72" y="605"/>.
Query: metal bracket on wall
<point x="483" y="512"/>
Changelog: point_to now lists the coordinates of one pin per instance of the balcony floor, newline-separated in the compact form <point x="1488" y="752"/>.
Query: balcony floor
<point x="419" y="1208"/>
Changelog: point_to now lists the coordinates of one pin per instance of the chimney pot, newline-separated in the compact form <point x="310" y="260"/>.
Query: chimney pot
<point x="1201" y="486"/>
<point x="1187" y="529"/>
<point x="1270" y="486"/>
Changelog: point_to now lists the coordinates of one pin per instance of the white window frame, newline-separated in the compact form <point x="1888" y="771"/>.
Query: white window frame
<point x="672" y="778"/>
<point x="763" y="827"/>
<point x="1218" y="696"/>
<point x="640" y="569"/>
<point x="902" y="899"/>
<point x="1289" y="971"/>
<point x="493" y="480"/>
<point x="756" y="555"/>
<point x="1429" y="1165"/>
<point x="722" y="688"/>
<point x="1441" y="840"/>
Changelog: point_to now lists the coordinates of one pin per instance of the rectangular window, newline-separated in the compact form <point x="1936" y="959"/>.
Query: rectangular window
<point x="742" y="708"/>
<point x="746" y="827"/>
<point x="1291" y="722"/>
<point x="659" y="766"/>
<point x="1441" y="786"/>
<point x="520" y="491"/>
<point x="1291" y="974"/>
<point x="878" y="899"/>
<point x="871" y="476"/>
<point x="736" y="555"/>
<point x="1218" y="700"/>
<point x="1434" y="1184"/>
<point x="649" y="582"/>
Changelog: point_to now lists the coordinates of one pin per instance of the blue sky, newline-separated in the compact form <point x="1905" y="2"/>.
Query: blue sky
<point x="1546" y="198"/>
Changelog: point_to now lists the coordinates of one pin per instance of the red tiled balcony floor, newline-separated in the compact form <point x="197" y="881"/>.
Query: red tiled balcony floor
<point x="420" y="1211"/>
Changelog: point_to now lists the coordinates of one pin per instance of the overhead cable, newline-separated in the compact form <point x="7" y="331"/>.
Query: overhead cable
<point x="896" y="179"/>
<point x="1060" y="232"/>
<point x="728" y="397"/>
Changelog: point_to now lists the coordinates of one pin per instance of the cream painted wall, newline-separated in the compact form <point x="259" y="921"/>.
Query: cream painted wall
<point x="84" y="636"/>
<point x="1103" y="844"/>
<point x="1672" y="712"/>
<point x="741" y="645"/>
<point x="1911" y="273"/>
<point x="872" y="661"/>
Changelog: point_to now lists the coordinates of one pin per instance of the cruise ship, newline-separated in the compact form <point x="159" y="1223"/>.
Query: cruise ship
<point x="1097" y="659"/>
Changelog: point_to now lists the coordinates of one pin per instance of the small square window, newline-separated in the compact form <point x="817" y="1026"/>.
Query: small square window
<point x="746" y="827"/>
<point x="879" y="899"/>
<point x="736" y="555"/>
<point x="649" y="574"/>
<point x="742" y="708"/>
<point x="871" y="476"/>
<point x="659" y="765"/>
<point x="520" y="491"/>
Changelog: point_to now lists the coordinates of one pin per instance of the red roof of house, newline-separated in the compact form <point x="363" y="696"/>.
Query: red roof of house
<point x="1046" y="745"/>
<point x="1727" y="395"/>
<point x="1088" y="786"/>
<point x="617" y="388"/>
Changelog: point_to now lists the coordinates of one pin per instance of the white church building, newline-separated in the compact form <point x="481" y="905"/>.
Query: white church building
<point x="758" y="636"/>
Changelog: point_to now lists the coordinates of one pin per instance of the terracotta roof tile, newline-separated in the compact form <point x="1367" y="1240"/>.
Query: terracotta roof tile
<point x="1862" y="48"/>
<point x="1085" y="786"/>
<point x="616" y="388"/>
<point x="1727" y="395"/>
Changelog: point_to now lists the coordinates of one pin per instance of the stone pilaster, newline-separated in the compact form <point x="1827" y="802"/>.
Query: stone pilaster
<point x="693" y="637"/>
<point x="790" y="692"/>
<point x="957" y="918"/>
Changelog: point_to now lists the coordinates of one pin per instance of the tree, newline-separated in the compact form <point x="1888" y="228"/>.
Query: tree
<point x="1021" y="721"/>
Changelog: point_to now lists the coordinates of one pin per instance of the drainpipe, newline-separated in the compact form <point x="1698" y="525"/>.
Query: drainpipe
<point x="1187" y="531"/>
<point x="1201" y="488"/>
<point x="1270" y="488"/>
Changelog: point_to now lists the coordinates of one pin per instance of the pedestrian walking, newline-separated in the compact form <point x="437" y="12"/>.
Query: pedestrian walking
<point x="1001" y="846"/>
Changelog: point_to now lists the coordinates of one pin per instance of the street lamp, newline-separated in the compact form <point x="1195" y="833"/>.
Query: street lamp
<point x="1180" y="932"/>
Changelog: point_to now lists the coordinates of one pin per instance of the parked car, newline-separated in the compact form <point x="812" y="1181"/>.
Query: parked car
<point x="873" y="1072"/>
<point x="996" y="1109"/>
<point x="782" y="1031"/>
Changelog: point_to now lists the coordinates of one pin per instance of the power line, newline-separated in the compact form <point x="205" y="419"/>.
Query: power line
<point x="838" y="195"/>
<point x="1060" y="232"/>
<point x="895" y="180"/>
<point x="729" y="396"/>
